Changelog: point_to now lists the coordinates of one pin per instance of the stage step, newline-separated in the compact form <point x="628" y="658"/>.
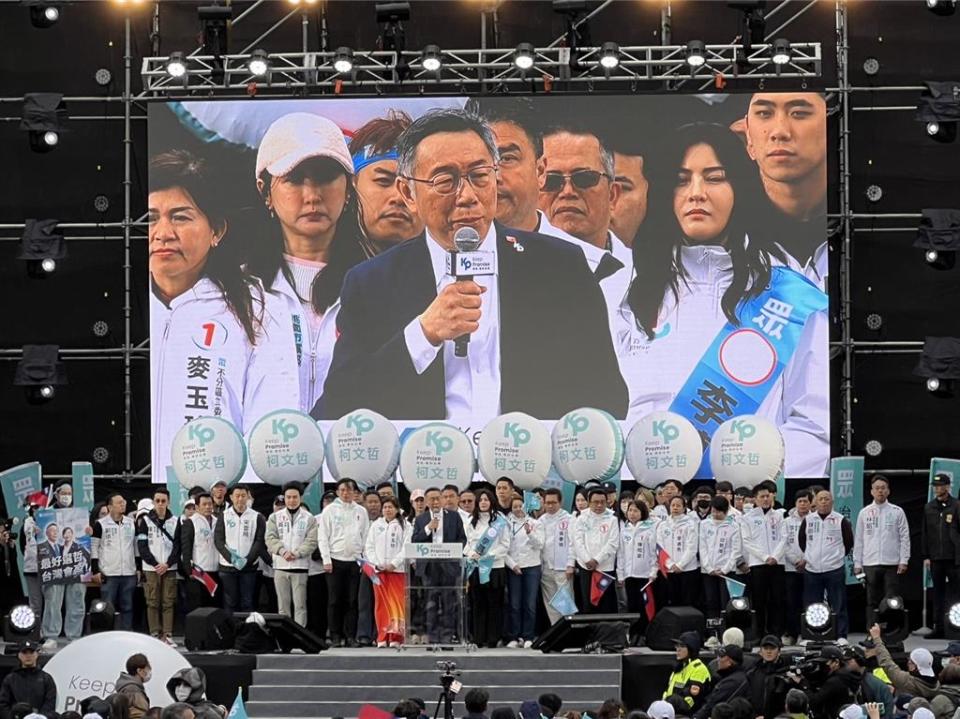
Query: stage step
<point x="339" y="682"/>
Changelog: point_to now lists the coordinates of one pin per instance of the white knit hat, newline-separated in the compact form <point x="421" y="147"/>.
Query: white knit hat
<point x="299" y="136"/>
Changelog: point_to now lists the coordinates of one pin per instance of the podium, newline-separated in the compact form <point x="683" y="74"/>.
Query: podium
<point x="435" y="600"/>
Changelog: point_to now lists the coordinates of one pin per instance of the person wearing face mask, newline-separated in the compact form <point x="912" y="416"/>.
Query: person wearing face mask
<point x="702" y="498"/>
<point x="794" y="565"/>
<point x="130" y="684"/>
<point x="189" y="686"/>
<point x="291" y="538"/>
<point x="678" y="534"/>
<point x="703" y="243"/>
<point x="239" y="539"/>
<point x="765" y="541"/>
<point x="218" y="345"/>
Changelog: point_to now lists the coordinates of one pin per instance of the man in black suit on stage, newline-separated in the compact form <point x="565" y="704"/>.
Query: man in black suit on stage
<point x="539" y="336"/>
<point x="435" y="526"/>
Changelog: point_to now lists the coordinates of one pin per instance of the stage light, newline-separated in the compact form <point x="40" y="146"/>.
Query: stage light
<point x="343" y="60"/>
<point x="739" y="614"/>
<point x="41" y="245"/>
<point x="101" y="617"/>
<point x="609" y="55"/>
<point x="942" y="131"/>
<point x="781" y="51"/>
<point x="871" y="66"/>
<point x="523" y="56"/>
<point x="39" y="371"/>
<point x="22" y="618"/>
<point x="939" y="365"/>
<point x="938" y="235"/>
<point x="874" y="321"/>
<point x="873" y="448"/>
<point x="48" y="264"/>
<point x="176" y="64"/>
<point x="51" y="138"/>
<point x="952" y="625"/>
<point x="942" y="7"/>
<point x="430" y="58"/>
<point x="696" y="56"/>
<point x="44" y="15"/>
<point x="819" y="623"/>
<point x="20" y="624"/>
<point x="874" y="193"/>
<point x="43" y="113"/>
<point x="893" y="619"/>
<point x="259" y="63"/>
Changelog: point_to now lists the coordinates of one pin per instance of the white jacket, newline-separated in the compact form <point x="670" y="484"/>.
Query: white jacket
<point x="596" y="536"/>
<point x="882" y="536"/>
<point x="557" y="552"/>
<point x="498" y="550"/>
<point x="655" y="370"/>
<point x="296" y="533"/>
<point x="341" y="531"/>
<point x="385" y="542"/>
<point x="525" y="549"/>
<point x="113" y="545"/>
<point x="720" y="545"/>
<point x="637" y="553"/>
<point x="205" y="554"/>
<point x="763" y="536"/>
<point x="196" y="338"/>
<point x="791" y="548"/>
<point x="314" y="353"/>
<point x="679" y="537"/>
<point x="824" y="551"/>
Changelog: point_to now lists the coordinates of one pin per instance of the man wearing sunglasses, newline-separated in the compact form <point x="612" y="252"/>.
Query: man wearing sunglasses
<point x="538" y="339"/>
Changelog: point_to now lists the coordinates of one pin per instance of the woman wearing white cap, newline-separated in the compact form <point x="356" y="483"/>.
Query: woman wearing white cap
<point x="303" y="173"/>
<point x="219" y="346"/>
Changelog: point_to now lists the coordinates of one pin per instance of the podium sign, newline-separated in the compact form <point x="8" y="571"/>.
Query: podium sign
<point x="450" y="550"/>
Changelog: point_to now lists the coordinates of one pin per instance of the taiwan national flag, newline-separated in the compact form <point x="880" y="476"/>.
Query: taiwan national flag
<point x="370" y="570"/>
<point x="598" y="585"/>
<point x="663" y="560"/>
<point x="208" y="582"/>
<point x="649" y="605"/>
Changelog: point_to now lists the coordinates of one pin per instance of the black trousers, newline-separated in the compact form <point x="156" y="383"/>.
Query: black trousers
<point x="683" y="588"/>
<point x="946" y="576"/>
<point x="486" y="607"/>
<point x="793" y="590"/>
<point x="881" y="581"/>
<point x="768" y="586"/>
<point x="317" y="602"/>
<point x="343" y="583"/>
<point x="608" y="602"/>
<point x="715" y="595"/>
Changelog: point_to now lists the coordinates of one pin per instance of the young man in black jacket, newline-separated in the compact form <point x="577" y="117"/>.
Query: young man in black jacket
<point x="940" y="541"/>
<point x="767" y="678"/>
<point x="732" y="680"/>
<point x="28" y="684"/>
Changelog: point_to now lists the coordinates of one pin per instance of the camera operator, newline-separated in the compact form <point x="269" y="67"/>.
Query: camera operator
<point x="919" y="680"/>
<point x="838" y="689"/>
<point x="768" y="681"/>
<point x="872" y="689"/>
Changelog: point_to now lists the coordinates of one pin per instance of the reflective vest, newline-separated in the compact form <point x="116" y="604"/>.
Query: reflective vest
<point x="691" y="683"/>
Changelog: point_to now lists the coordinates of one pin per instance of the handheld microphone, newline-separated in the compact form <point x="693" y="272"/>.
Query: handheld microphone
<point x="465" y="263"/>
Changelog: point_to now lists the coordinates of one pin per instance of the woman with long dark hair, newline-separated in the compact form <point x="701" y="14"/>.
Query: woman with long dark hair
<point x="219" y="346"/>
<point x="714" y="324"/>
<point x="386" y="539"/>
<point x="489" y="543"/>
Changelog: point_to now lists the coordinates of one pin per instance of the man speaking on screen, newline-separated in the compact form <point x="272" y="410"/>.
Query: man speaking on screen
<point x="536" y="321"/>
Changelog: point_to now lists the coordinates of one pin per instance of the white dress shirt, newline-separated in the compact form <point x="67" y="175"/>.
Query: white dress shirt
<point x="472" y="382"/>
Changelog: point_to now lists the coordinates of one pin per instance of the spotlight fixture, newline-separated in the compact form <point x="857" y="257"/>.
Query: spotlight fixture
<point x="176" y="64"/>
<point x="523" y="56"/>
<point x="259" y="63"/>
<point x="894" y="620"/>
<point x="938" y="107"/>
<point x="739" y="614"/>
<point x="100" y="328"/>
<point x="871" y="66"/>
<point x="101" y="455"/>
<point x="43" y="113"/>
<point x="343" y="60"/>
<point x="39" y="371"/>
<point x="942" y="7"/>
<point x="952" y="625"/>
<point x="818" y="623"/>
<point x="696" y="54"/>
<point x="101" y="203"/>
<point x="874" y="193"/>
<point x="873" y="448"/>
<point x="44" y="14"/>
<point x="101" y="617"/>
<point x="20" y="624"/>
<point x="103" y="77"/>
<point x="939" y="365"/>
<point x="41" y="246"/>
<point x="942" y="131"/>
<point x="781" y="51"/>
<point x="609" y="55"/>
<point x="938" y="235"/>
<point x="430" y="58"/>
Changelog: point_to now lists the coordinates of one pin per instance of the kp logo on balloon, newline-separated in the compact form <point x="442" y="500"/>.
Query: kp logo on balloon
<point x="669" y="432"/>
<point x="442" y="444"/>
<point x="513" y="430"/>
<point x="202" y="434"/>
<point x="744" y="429"/>
<point x="576" y="423"/>
<point x="361" y="423"/>
<point x="285" y="429"/>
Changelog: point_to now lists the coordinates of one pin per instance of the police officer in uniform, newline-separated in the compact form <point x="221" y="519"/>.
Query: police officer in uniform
<point x="940" y="540"/>
<point x="690" y="679"/>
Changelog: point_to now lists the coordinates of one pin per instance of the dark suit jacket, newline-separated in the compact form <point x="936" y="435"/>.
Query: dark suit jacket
<point x="555" y="349"/>
<point x="437" y="571"/>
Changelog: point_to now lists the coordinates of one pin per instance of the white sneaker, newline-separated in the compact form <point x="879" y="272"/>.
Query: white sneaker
<point x="169" y="642"/>
<point x="527" y="644"/>
<point x="842" y="641"/>
<point x="381" y="645"/>
<point x="414" y="639"/>
<point x="49" y="645"/>
<point x="513" y="644"/>
<point x="394" y="645"/>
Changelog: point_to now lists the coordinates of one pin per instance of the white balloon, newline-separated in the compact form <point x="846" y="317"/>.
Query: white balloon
<point x="208" y="450"/>
<point x="746" y="450"/>
<point x="363" y="446"/>
<point x="587" y="444"/>
<point x="662" y="446"/>
<point x="436" y="454"/>
<point x="515" y="445"/>
<point x="90" y="666"/>
<point x="286" y="446"/>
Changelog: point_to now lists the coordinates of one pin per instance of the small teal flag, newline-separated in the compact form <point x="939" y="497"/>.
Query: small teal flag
<point x="563" y="601"/>
<point x="484" y="566"/>
<point x="531" y="501"/>
<point x="734" y="588"/>
<point x="238" y="710"/>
